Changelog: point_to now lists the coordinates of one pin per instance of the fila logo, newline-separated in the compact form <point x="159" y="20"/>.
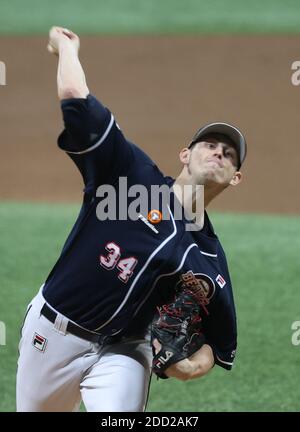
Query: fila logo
<point x="39" y="342"/>
<point x="220" y="281"/>
<point x="163" y="360"/>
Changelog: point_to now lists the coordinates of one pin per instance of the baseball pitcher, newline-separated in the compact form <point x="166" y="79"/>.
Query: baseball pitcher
<point x="129" y="295"/>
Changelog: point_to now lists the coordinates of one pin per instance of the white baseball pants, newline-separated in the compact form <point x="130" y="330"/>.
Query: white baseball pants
<point x="57" y="370"/>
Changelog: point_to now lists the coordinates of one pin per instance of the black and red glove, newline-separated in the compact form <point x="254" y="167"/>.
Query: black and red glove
<point x="179" y="331"/>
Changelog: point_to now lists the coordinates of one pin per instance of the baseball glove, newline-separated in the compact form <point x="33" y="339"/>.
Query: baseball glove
<point x="178" y="329"/>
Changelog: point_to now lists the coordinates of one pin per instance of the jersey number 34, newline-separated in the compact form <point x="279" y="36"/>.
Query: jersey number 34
<point x="112" y="259"/>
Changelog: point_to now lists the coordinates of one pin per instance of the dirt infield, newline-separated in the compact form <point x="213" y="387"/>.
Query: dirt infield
<point x="161" y="89"/>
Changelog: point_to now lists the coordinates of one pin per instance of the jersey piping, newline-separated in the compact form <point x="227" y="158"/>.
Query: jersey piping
<point x="209" y="254"/>
<point x="98" y="142"/>
<point x="222" y="361"/>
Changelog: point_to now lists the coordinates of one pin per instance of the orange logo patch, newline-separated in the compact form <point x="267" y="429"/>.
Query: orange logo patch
<point x="154" y="216"/>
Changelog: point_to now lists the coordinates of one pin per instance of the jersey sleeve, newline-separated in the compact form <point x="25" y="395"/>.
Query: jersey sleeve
<point x="94" y="141"/>
<point x="222" y="325"/>
<point x="224" y="356"/>
<point x="221" y="334"/>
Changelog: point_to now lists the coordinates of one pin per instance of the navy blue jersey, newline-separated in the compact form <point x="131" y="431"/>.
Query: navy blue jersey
<point x="113" y="273"/>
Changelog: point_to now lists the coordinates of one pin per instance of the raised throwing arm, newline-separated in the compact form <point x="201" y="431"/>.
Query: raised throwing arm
<point x="71" y="82"/>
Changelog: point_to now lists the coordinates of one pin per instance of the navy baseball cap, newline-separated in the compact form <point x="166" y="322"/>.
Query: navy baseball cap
<point x="230" y="131"/>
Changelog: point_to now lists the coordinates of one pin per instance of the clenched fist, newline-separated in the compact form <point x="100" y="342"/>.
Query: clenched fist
<point x="59" y="35"/>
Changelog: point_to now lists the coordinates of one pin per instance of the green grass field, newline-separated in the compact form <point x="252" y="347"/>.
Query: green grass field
<point x="151" y="16"/>
<point x="263" y="257"/>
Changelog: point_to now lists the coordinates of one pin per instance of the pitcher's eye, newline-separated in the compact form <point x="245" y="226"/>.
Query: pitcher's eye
<point x="211" y="145"/>
<point x="229" y="154"/>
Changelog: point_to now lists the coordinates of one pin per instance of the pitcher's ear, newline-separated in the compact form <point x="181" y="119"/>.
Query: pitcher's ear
<point x="236" y="179"/>
<point x="184" y="156"/>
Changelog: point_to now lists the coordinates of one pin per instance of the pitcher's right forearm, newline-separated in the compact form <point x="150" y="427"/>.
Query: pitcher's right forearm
<point x="71" y="81"/>
<point x="196" y="366"/>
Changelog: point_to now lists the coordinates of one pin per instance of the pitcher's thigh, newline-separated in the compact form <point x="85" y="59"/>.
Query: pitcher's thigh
<point x="118" y="381"/>
<point x="49" y="368"/>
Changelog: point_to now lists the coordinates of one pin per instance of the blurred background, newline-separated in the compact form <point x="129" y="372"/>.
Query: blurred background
<point x="164" y="69"/>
